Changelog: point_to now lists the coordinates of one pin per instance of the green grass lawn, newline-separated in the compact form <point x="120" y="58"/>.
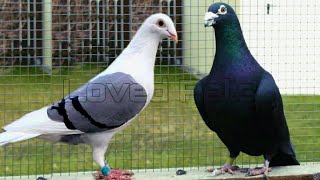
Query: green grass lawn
<point x="169" y="133"/>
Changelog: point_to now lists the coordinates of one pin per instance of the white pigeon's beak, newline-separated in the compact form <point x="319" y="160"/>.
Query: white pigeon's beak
<point x="209" y="19"/>
<point x="173" y="35"/>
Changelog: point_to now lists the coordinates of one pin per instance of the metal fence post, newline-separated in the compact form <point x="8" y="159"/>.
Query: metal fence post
<point x="47" y="36"/>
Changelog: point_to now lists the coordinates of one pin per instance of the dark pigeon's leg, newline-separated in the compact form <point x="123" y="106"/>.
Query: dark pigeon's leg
<point x="258" y="171"/>
<point x="226" y="168"/>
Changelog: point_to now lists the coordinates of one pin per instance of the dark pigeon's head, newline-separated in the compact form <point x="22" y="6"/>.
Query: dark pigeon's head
<point x="219" y="14"/>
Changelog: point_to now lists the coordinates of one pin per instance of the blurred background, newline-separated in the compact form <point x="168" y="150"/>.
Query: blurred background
<point x="49" y="48"/>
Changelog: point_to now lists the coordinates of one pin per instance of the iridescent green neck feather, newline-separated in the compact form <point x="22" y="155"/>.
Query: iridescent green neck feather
<point x="230" y="44"/>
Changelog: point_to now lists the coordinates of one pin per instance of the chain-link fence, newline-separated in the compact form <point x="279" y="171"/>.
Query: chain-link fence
<point x="50" y="48"/>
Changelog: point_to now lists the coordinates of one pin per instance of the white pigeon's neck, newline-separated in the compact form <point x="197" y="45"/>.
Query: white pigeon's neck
<point x="138" y="59"/>
<point x="145" y="44"/>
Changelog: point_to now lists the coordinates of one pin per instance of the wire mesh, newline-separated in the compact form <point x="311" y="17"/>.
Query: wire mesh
<point x="86" y="36"/>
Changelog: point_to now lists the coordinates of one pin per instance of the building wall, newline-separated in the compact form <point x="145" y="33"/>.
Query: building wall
<point x="285" y="41"/>
<point x="199" y="44"/>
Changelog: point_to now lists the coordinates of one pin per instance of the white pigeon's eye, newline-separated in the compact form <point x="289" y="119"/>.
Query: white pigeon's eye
<point x="161" y="23"/>
<point x="222" y="10"/>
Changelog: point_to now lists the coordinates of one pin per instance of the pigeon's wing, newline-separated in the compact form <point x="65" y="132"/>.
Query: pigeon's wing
<point x="105" y="103"/>
<point x="270" y="113"/>
<point x="199" y="95"/>
<point x="270" y="108"/>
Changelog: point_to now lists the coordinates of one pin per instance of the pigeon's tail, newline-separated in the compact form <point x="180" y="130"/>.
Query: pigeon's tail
<point x="11" y="137"/>
<point x="285" y="157"/>
<point x="283" y="160"/>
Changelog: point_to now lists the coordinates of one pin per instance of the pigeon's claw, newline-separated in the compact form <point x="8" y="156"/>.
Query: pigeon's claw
<point x="115" y="174"/>
<point x="259" y="171"/>
<point x="228" y="168"/>
<point x="98" y="176"/>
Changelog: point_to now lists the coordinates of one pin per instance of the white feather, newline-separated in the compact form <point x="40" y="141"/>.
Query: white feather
<point x="11" y="137"/>
<point x="38" y="122"/>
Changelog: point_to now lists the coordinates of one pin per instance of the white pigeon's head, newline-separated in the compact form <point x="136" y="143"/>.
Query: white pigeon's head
<point x="160" y="25"/>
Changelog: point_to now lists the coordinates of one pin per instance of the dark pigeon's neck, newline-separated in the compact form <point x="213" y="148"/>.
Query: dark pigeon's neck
<point x="231" y="47"/>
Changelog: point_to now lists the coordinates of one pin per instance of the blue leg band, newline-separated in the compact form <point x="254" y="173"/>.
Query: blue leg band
<point x="105" y="170"/>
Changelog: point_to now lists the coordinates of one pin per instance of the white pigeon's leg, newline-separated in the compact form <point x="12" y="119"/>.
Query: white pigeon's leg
<point x="99" y="143"/>
<point x="110" y="174"/>
<point x="98" y="156"/>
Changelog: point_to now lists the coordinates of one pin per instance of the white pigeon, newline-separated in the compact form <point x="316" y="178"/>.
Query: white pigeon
<point x="106" y="104"/>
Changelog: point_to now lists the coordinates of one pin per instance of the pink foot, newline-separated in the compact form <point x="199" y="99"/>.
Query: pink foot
<point x="258" y="171"/>
<point x="115" y="174"/>
<point x="228" y="168"/>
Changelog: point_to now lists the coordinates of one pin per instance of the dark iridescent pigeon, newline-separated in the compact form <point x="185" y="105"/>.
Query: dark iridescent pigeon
<point x="239" y="100"/>
<point x="106" y="104"/>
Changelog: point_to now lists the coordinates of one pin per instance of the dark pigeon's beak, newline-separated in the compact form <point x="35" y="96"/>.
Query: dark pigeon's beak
<point x="209" y="19"/>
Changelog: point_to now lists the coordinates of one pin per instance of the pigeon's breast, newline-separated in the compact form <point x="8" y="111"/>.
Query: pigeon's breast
<point x="231" y="109"/>
<point x="230" y="93"/>
<point x="230" y="104"/>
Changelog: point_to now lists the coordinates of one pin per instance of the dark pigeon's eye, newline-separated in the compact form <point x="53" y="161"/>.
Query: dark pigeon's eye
<point x="161" y="23"/>
<point x="223" y="9"/>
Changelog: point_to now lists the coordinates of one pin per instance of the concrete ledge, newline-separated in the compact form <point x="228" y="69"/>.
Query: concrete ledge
<point x="302" y="172"/>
